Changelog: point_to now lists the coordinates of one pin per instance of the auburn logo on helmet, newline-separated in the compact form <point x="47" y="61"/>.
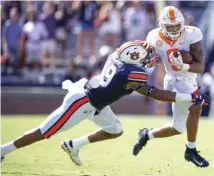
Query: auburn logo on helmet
<point x="134" y="55"/>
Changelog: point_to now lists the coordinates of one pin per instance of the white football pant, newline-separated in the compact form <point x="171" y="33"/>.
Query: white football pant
<point x="180" y="109"/>
<point x="76" y="108"/>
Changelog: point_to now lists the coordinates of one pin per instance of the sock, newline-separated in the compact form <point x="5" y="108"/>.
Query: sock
<point x="79" y="142"/>
<point x="7" y="148"/>
<point x="191" y="145"/>
<point x="150" y="134"/>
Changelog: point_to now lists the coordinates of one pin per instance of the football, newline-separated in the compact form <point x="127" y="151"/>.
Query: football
<point x="186" y="56"/>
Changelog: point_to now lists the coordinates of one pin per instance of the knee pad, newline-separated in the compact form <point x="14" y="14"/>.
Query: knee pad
<point x="181" y="128"/>
<point x="180" y="114"/>
<point x="114" y="129"/>
<point x="118" y="127"/>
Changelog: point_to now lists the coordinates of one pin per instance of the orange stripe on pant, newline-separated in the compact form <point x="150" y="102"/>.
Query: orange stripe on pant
<point x="65" y="117"/>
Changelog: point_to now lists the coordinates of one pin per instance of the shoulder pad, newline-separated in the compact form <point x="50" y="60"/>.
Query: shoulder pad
<point x="194" y="34"/>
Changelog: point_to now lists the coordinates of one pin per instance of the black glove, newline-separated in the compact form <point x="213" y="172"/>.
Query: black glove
<point x="200" y="99"/>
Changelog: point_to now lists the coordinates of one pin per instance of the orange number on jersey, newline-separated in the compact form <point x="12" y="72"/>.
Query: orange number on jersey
<point x="168" y="53"/>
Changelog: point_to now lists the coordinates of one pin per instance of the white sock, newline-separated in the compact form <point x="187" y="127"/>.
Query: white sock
<point x="7" y="148"/>
<point x="79" y="142"/>
<point x="191" y="145"/>
<point x="150" y="134"/>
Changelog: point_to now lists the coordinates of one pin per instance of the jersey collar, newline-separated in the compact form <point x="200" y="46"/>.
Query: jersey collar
<point x="164" y="38"/>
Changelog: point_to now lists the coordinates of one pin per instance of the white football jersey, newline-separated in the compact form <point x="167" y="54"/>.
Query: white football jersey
<point x="163" y="47"/>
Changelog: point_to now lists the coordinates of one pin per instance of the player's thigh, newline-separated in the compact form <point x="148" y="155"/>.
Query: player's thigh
<point x="180" y="84"/>
<point x="168" y="83"/>
<point x="186" y="86"/>
<point x="180" y="114"/>
<point x="70" y="113"/>
<point x="107" y="121"/>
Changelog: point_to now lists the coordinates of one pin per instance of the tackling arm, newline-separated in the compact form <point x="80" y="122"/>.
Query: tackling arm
<point x="151" y="91"/>
<point x="165" y="95"/>
<point x="198" y="58"/>
<point x="162" y="95"/>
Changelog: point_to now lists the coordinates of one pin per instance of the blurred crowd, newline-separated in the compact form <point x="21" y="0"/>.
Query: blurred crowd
<point x="46" y="42"/>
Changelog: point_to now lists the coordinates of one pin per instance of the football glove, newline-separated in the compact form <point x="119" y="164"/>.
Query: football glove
<point x="200" y="99"/>
<point x="146" y="45"/>
<point x="153" y="61"/>
<point x="176" y="59"/>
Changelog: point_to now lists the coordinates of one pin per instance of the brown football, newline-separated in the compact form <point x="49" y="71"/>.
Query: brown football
<point x="186" y="56"/>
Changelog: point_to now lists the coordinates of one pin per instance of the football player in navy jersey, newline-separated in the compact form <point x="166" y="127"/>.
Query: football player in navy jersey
<point x="123" y="73"/>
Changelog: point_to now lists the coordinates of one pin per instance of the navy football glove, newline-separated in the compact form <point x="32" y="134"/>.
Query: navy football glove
<point x="200" y="99"/>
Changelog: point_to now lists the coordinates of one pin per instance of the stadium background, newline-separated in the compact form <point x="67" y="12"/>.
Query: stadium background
<point x="30" y="87"/>
<point x="44" y="43"/>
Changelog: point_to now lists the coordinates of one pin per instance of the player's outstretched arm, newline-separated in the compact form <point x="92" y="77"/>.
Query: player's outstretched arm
<point x="169" y="96"/>
<point x="165" y="95"/>
<point x="162" y="95"/>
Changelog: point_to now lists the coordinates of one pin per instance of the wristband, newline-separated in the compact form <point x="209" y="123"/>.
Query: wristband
<point x="183" y="97"/>
<point x="150" y="90"/>
<point x="185" y="67"/>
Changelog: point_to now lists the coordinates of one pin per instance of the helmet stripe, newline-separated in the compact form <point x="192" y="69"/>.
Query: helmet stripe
<point x="126" y="45"/>
<point x="171" y="13"/>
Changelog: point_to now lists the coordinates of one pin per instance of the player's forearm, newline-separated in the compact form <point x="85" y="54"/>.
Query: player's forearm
<point x="168" y="96"/>
<point x="164" y="95"/>
<point x="196" y="68"/>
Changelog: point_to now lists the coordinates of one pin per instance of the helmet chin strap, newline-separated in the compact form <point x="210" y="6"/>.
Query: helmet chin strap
<point x="168" y="35"/>
<point x="171" y="38"/>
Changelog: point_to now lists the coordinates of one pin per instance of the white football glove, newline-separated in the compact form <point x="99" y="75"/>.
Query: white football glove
<point x="176" y="61"/>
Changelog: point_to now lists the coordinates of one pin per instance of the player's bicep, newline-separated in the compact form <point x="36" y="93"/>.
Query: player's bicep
<point x="198" y="58"/>
<point x="135" y="79"/>
<point x="132" y="85"/>
<point x="197" y="52"/>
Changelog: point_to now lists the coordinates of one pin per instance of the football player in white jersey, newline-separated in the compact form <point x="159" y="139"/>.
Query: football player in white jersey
<point x="122" y="74"/>
<point x="173" y="36"/>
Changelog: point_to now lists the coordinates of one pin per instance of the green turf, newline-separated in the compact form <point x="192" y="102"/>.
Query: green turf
<point x="161" y="157"/>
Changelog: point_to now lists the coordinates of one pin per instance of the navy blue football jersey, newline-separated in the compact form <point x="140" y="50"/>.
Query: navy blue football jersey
<point x="110" y="85"/>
